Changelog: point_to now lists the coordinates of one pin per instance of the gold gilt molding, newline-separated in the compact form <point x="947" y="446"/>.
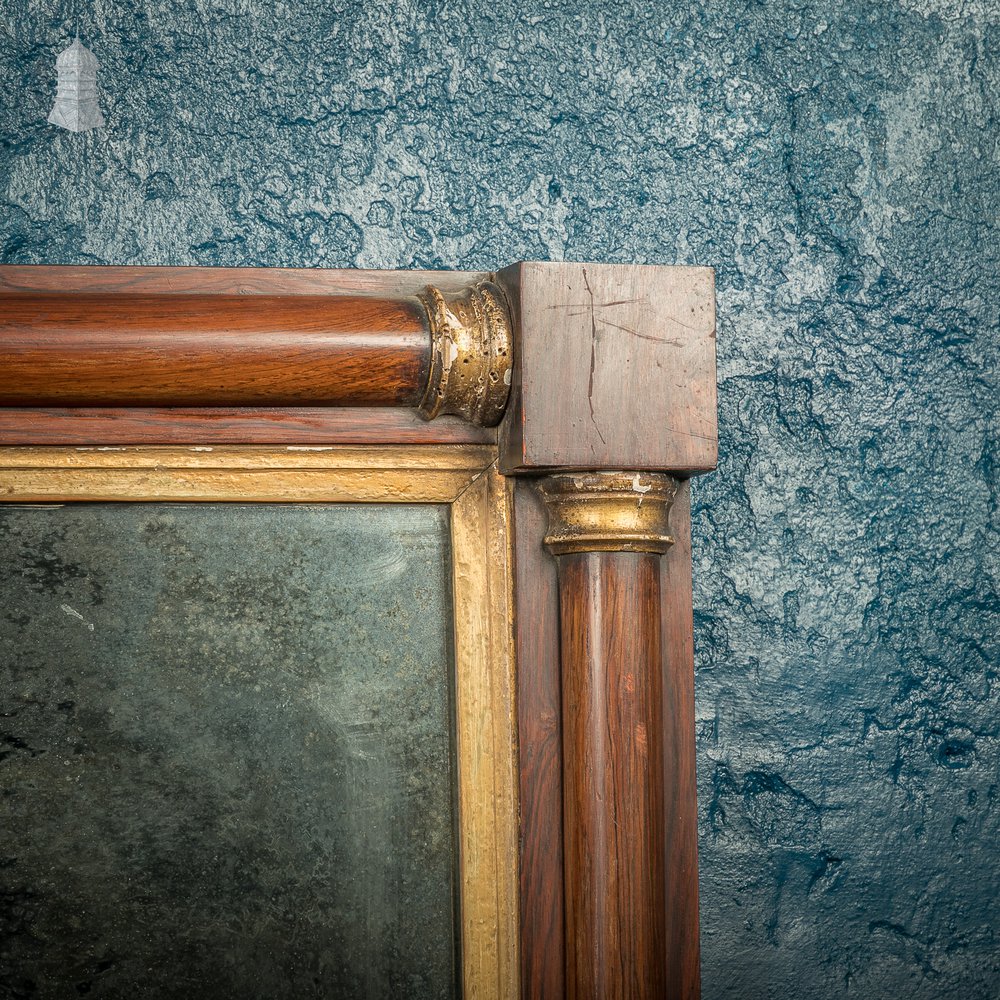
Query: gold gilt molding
<point x="327" y="474"/>
<point x="471" y="353"/>
<point x="486" y="737"/>
<point x="465" y="478"/>
<point x="608" y="511"/>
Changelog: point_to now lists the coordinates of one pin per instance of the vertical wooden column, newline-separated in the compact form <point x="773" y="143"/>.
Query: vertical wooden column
<point x="607" y="531"/>
<point x="615" y="370"/>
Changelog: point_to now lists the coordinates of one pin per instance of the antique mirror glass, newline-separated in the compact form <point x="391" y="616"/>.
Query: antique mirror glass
<point x="227" y="756"/>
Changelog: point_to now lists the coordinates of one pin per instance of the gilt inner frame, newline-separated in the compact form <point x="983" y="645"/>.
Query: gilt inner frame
<point x="461" y="476"/>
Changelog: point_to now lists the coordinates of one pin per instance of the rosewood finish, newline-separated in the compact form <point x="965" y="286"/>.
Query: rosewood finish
<point x="615" y="371"/>
<point x="613" y="772"/>
<point x="608" y="531"/>
<point x="539" y="725"/>
<point x="442" y="352"/>
<point x="611" y="377"/>
<point x="302" y="426"/>
<point x="682" y="952"/>
<point x="615" y="368"/>
<point x="223" y="350"/>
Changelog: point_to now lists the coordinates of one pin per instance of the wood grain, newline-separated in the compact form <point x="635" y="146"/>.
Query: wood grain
<point x="93" y="279"/>
<point x="537" y="638"/>
<point x="539" y="711"/>
<point x="87" y="349"/>
<point x="613" y="814"/>
<point x="228" y="425"/>
<point x="682" y="953"/>
<point x="615" y="368"/>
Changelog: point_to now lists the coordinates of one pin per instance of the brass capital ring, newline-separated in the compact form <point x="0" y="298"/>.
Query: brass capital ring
<point x="471" y="354"/>
<point x="608" y="511"/>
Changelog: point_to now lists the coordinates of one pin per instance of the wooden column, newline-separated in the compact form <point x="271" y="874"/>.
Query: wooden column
<point x="615" y="371"/>
<point x="607" y="531"/>
<point x="438" y="352"/>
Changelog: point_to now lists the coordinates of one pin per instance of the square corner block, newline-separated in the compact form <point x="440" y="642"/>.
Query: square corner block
<point x="614" y="368"/>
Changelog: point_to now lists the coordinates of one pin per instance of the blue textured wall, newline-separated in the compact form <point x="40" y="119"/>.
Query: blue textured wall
<point x="837" y="163"/>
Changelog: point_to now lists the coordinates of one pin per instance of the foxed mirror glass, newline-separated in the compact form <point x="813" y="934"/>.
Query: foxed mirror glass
<point x="227" y="756"/>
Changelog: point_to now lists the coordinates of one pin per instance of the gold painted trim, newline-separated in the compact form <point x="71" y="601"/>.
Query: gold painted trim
<point x="486" y="735"/>
<point x="608" y="511"/>
<point x="418" y="474"/>
<point x="471" y="354"/>
<point x="463" y="476"/>
<point x="376" y="457"/>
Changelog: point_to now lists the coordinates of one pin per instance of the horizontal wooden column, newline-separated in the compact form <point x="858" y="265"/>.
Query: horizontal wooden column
<point x="199" y="350"/>
<point x="443" y="353"/>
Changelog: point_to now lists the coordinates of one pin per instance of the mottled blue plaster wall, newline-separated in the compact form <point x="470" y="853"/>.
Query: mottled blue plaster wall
<point x="837" y="163"/>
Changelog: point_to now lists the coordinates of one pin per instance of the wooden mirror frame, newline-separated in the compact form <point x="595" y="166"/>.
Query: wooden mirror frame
<point x="560" y="409"/>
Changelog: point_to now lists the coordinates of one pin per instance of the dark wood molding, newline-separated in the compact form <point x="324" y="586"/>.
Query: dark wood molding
<point x="104" y="280"/>
<point x="680" y="824"/>
<point x="300" y="425"/>
<point x="539" y="724"/>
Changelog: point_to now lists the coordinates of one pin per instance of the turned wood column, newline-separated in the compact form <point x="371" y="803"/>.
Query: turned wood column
<point x="607" y="531"/>
<point x="442" y="353"/>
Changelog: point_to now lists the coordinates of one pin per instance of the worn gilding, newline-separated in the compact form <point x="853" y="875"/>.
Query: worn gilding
<point x="471" y="359"/>
<point x="608" y="512"/>
<point x="485" y="736"/>
<point x="436" y="474"/>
